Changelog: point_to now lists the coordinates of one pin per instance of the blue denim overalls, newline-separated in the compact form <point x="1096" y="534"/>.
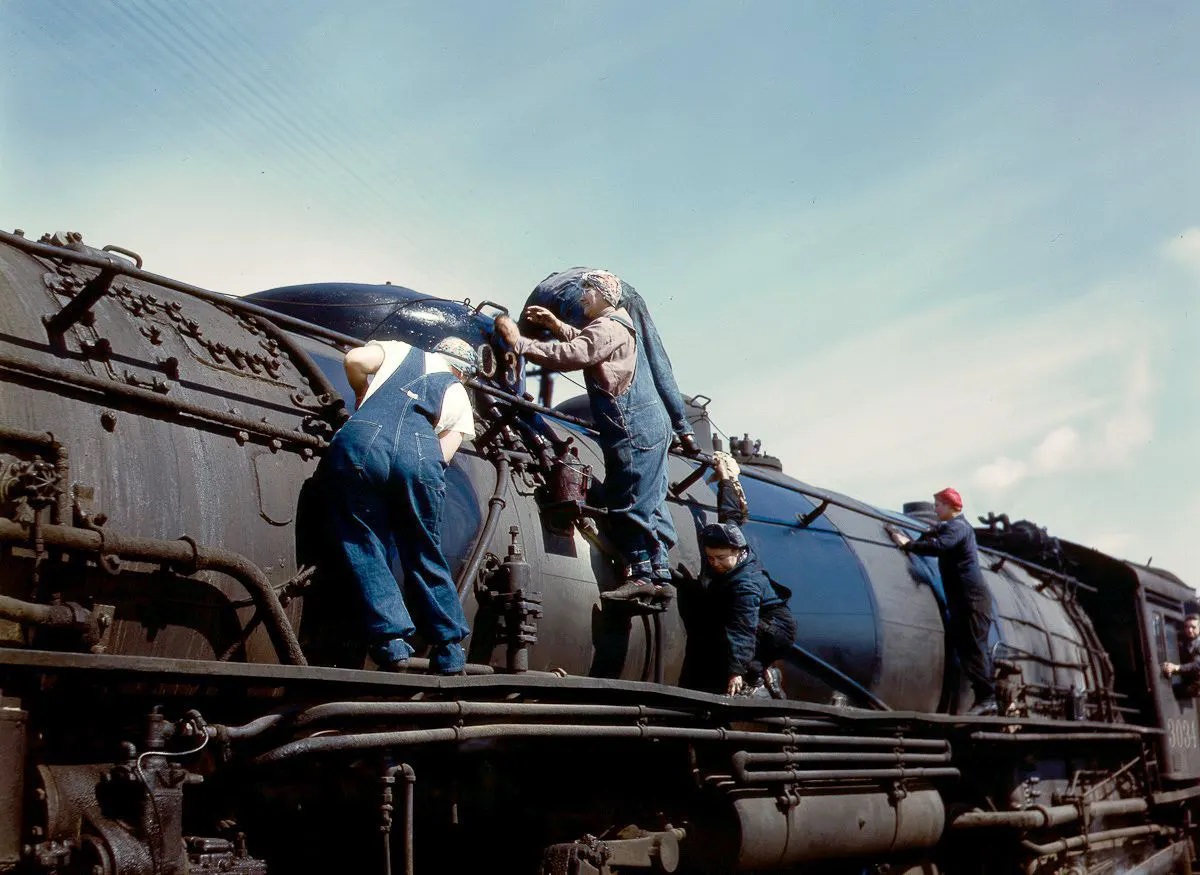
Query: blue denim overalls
<point x="388" y="490"/>
<point x="635" y="435"/>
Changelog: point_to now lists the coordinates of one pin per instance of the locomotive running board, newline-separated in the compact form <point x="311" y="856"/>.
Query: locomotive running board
<point x="535" y="685"/>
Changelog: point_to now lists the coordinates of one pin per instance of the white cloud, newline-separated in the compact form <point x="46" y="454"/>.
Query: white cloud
<point x="1185" y="249"/>
<point x="1104" y="443"/>
<point x="1000" y="474"/>
<point x="929" y="397"/>
<point x="1057" y="449"/>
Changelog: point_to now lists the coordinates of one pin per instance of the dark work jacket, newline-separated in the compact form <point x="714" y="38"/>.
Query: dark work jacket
<point x="1189" y="660"/>
<point x="740" y="596"/>
<point x="953" y="543"/>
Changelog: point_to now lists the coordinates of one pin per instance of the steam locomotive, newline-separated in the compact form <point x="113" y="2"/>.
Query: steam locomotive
<point x="181" y="690"/>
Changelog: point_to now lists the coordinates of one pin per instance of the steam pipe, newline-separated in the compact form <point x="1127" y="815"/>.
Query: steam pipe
<point x="1025" y="737"/>
<point x="467" y="710"/>
<point x="795" y="775"/>
<point x="496" y="504"/>
<point x="154" y="400"/>
<point x="1041" y="817"/>
<point x="185" y="553"/>
<point x="410" y="780"/>
<point x="295" y="719"/>
<point x="504" y="395"/>
<point x="326" y="744"/>
<point x="906" y="765"/>
<point x="36" y="614"/>
<point x="897" y="758"/>
<point x="1091" y="839"/>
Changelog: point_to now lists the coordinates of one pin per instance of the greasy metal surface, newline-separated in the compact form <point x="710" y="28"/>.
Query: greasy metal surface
<point x="144" y="461"/>
<point x="183" y="553"/>
<point x="378" y="311"/>
<point x="815" y="828"/>
<point x="12" y="780"/>
<point x="542" y="687"/>
<point x="82" y="255"/>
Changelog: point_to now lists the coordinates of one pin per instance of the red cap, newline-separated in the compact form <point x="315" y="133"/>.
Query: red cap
<point x="950" y="496"/>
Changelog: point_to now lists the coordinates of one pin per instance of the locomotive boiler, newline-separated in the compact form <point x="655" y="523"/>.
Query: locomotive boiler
<point x="182" y="688"/>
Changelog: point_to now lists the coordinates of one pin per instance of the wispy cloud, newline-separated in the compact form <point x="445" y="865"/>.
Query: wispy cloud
<point x="1104" y="442"/>
<point x="951" y="390"/>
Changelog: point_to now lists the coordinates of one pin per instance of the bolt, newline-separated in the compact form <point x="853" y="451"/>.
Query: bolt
<point x="108" y="420"/>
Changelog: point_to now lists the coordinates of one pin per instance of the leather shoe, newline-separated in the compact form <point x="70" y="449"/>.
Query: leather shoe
<point x="773" y="681"/>
<point x="638" y="589"/>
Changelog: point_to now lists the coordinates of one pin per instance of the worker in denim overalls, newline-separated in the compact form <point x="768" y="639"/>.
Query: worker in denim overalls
<point x="635" y="430"/>
<point x="386" y="469"/>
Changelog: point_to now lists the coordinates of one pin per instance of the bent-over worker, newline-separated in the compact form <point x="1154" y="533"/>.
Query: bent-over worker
<point x="386" y="475"/>
<point x="736" y="600"/>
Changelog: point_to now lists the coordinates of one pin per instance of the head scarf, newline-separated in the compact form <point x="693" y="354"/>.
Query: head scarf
<point x="560" y="293"/>
<point x="459" y="354"/>
<point x="607" y="284"/>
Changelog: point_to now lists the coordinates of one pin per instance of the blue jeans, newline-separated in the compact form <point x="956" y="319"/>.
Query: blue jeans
<point x="387" y="508"/>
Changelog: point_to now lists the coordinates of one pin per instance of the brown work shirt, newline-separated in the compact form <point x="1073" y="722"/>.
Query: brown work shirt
<point x="605" y="350"/>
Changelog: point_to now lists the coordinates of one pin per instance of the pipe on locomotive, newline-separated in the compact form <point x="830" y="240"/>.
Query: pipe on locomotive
<point x="64" y="616"/>
<point x="496" y="504"/>
<point x="326" y="744"/>
<point x="186" y="553"/>
<point x="1041" y="816"/>
<point x="147" y="398"/>
<point x="385" y="807"/>
<point x="1096" y="839"/>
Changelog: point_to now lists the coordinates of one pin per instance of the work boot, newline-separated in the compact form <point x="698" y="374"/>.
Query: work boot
<point x="773" y="681"/>
<point x="636" y="589"/>
<point x="984" y="708"/>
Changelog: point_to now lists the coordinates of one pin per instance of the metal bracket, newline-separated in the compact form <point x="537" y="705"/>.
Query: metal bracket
<point x="79" y="307"/>
<point x="809" y="518"/>
<point x="687" y="482"/>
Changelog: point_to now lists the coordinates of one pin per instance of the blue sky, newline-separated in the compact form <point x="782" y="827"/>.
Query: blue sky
<point x="905" y="244"/>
